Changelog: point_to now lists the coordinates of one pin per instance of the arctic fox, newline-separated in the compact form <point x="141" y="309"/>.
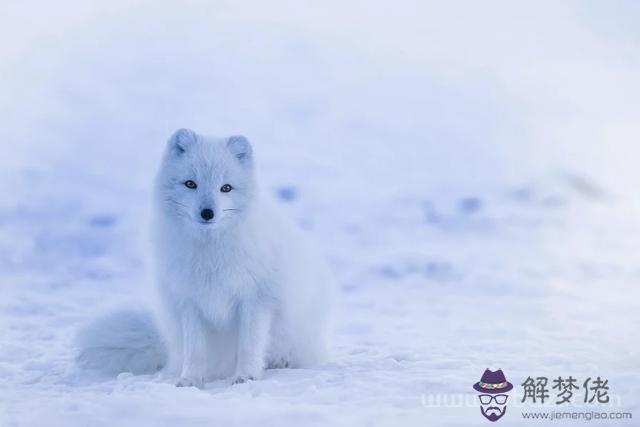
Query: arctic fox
<point x="239" y="289"/>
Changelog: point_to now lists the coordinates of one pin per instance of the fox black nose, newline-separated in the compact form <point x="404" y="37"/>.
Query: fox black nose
<point x="206" y="214"/>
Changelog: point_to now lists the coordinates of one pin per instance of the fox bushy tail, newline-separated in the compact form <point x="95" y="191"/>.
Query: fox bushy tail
<point x="122" y="341"/>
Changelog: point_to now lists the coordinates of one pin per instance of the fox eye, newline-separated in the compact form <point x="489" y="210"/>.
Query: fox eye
<point x="190" y="184"/>
<point x="226" y="188"/>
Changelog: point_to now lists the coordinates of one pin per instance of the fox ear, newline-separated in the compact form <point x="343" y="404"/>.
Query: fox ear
<point x="240" y="147"/>
<point x="181" y="139"/>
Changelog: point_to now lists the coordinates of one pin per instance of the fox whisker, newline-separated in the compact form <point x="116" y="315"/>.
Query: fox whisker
<point x="176" y="203"/>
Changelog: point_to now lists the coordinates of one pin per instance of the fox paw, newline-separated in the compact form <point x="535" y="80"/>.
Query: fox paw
<point x="239" y="379"/>
<point x="190" y="382"/>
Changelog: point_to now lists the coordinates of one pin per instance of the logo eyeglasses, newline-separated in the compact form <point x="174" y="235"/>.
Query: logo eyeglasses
<point x="500" y="399"/>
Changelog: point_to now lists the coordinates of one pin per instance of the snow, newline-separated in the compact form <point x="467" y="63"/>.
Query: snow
<point x="469" y="171"/>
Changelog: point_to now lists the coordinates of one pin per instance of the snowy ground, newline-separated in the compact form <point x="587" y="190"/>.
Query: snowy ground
<point x="469" y="177"/>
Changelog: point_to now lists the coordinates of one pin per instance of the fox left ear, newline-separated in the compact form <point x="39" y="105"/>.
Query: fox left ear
<point x="240" y="147"/>
<point x="181" y="140"/>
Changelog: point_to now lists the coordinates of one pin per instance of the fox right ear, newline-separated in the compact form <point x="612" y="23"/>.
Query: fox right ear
<point x="240" y="147"/>
<point x="181" y="139"/>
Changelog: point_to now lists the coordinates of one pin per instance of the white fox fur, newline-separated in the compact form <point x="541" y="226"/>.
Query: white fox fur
<point x="240" y="292"/>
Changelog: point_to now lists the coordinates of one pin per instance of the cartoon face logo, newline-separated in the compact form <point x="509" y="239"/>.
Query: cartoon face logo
<point x="493" y="388"/>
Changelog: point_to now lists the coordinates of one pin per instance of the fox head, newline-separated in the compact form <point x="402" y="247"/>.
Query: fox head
<point x="206" y="182"/>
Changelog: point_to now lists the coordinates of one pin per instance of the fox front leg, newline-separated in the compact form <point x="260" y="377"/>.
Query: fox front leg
<point x="253" y="336"/>
<point x="194" y="362"/>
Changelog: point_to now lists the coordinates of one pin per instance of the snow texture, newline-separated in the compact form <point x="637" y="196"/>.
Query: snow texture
<point x="469" y="170"/>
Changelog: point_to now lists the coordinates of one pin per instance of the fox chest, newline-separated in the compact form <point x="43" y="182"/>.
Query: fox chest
<point x="219" y="288"/>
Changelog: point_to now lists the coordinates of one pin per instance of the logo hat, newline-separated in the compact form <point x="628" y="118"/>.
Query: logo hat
<point x="493" y="382"/>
